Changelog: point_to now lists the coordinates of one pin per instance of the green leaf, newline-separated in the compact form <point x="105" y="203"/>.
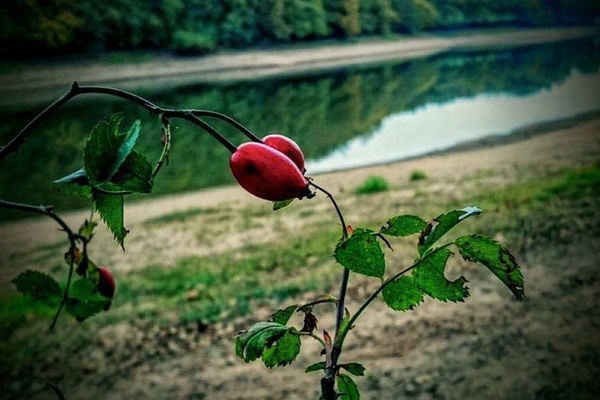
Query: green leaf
<point x="361" y="253"/>
<point x="402" y="294"/>
<point x="404" y="225"/>
<point x="354" y="368"/>
<point x="100" y="152"/>
<point x="430" y="278"/>
<point x="110" y="208"/>
<point x="87" y="229"/>
<point x="252" y="343"/>
<point x="128" y="141"/>
<point x="283" y="351"/>
<point x="37" y="284"/>
<point x="315" y="367"/>
<point x="135" y="174"/>
<point x="347" y="388"/>
<point x="278" y="205"/>
<point x="496" y="258"/>
<point x="440" y="225"/>
<point x="76" y="184"/>
<point x="84" y="299"/>
<point x="283" y="316"/>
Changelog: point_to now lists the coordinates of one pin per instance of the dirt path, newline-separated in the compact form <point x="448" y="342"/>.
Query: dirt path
<point x="36" y="83"/>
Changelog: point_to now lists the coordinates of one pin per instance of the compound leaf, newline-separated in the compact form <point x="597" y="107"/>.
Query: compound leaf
<point x="283" y="351"/>
<point x="347" y="388"/>
<point x="110" y="208"/>
<point x="283" y="316"/>
<point x="402" y="294"/>
<point x="252" y="343"/>
<point x="429" y="277"/>
<point x="404" y="225"/>
<point x="75" y="183"/>
<point x="440" y="225"/>
<point x="100" y="152"/>
<point x="37" y="284"/>
<point x="496" y="258"/>
<point x="361" y="253"/>
<point x="128" y="141"/>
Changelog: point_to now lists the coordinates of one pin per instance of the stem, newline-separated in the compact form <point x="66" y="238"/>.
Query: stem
<point x="65" y="296"/>
<point x="328" y="381"/>
<point x="229" y="120"/>
<point x="166" y="146"/>
<point x="312" y="335"/>
<point x="77" y="90"/>
<point x="340" y="339"/>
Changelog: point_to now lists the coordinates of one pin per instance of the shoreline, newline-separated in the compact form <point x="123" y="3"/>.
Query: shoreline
<point x="37" y="83"/>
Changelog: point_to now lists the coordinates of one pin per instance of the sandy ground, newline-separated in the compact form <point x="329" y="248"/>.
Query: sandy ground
<point x="488" y="348"/>
<point x="40" y="82"/>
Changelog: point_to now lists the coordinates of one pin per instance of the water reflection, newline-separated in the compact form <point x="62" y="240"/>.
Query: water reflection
<point x="322" y="112"/>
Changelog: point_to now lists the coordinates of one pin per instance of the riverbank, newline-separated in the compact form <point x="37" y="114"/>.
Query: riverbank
<point x="39" y="82"/>
<point x="191" y="277"/>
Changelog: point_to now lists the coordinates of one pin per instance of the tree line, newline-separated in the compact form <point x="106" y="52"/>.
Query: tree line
<point x="50" y="27"/>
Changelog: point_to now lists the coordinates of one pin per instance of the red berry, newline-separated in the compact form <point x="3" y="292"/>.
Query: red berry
<point x="288" y="147"/>
<point x="106" y="283"/>
<point x="267" y="173"/>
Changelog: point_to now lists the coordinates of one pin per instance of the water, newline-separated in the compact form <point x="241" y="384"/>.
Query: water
<point x="346" y="118"/>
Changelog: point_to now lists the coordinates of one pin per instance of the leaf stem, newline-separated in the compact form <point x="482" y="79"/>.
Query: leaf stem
<point x="65" y="295"/>
<point x="312" y="335"/>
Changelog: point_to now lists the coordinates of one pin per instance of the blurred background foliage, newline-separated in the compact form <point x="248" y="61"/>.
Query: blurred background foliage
<point x="50" y="27"/>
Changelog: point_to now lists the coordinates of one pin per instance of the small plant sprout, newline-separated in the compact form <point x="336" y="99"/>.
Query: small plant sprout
<point x="271" y="169"/>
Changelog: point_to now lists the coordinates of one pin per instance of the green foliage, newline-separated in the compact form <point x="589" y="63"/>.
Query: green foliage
<point x="37" y="285"/>
<point x="361" y="253"/>
<point x="278" y="205"/>
<point x="373" y="184"/>
<point x="354" y="368"/>
<point x="316" y="367"/>
<point x="417" y="175"/>
<point x="496" y="257"/>
<point x="402" y="294"/>
<point x="110" y="208"/>
<point x="60" y="26"/>
<point x="430" y="278"/>
<point x="283" y="351"/>
<point x="440" y="225"/>
<point x="404" y="225"/>
<point x="261" y="337"/>
<point x="347" y="388"/>
<point x="134" y="174"/>
<point x="283" y="316"/>
<point x="84" y="300"/>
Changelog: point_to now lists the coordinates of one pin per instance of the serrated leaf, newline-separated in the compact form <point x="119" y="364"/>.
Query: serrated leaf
<point x="128" y="141"/>
<point x="361" y="253"/>
<point x="354" y="368"/>
<point x="84" y="299"/>
<point x="315" y="367"/>
<point x="402" y="294"/>
<point x="404" y="225"/>
<point x="278" y="205"/>
<point x="110" y="208"/>
<point x="496" y="258"/>
<point x="440" y="225"/>
<point x="283" y="351"/>
<point x="347" y="388"/>
<point x="100" y="152"/>
<point x="252" y="343"/>
<point x="283" y="316"/>
<point x="135" y="174"/>
<point x="38" y="285"/>
<point x="430" y="278"/>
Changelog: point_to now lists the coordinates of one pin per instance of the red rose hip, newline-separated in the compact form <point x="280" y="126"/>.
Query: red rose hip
<point x="106" y="283"/>
<point x="267" y="173"/>
<point x="288" y="147"/>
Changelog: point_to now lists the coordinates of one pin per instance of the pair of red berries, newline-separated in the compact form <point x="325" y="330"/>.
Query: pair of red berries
<point x="272" y="169"/>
